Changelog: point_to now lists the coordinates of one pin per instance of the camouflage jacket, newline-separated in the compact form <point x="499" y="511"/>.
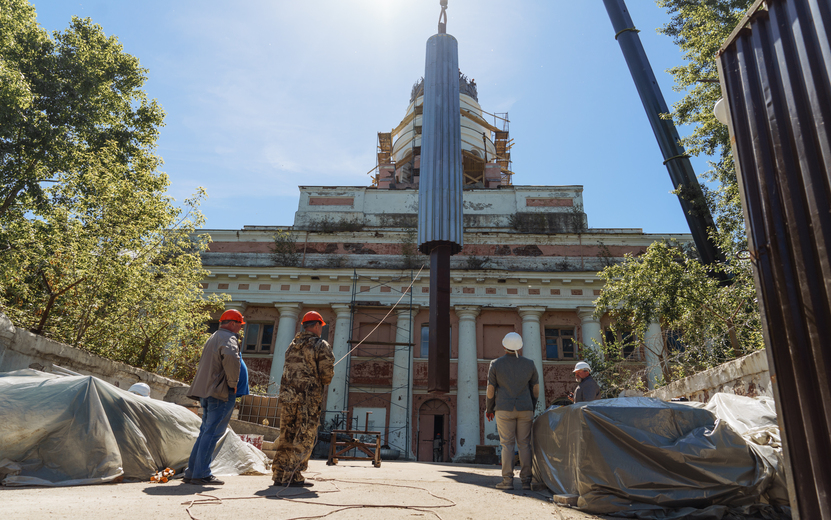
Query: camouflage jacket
<point x="310" y="365"/>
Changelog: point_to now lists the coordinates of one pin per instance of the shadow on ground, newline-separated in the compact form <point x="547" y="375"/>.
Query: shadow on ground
<point x="490" y="481"/>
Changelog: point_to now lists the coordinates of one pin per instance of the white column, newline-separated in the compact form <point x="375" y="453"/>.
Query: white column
<point x="592" y="335"/>
<point x="285" y="333"/>
<point x="654" y="346"/>
<point x="532" y="346"/>
<point x="401" y="397"/>
<point x="467" y="389"/>
<point x="336" y="398"/>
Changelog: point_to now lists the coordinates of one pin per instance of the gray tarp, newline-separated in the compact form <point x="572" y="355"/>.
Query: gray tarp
<point x="76" y="430"/>
<point x="643" y="458"/>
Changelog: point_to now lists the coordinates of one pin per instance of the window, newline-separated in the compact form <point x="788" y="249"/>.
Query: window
<point x="377" y="340"/>
<point x="675" y="343"/>
<point x="492" y="340"/>
<point x="213" y="326"/>
<point x="624" y="339"/>
<point x="559" y="344"/>
<point x="424" y="349"/>
<point x="258" y="337"/>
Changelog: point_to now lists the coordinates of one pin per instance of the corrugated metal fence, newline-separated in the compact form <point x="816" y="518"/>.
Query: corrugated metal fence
<point x="775" y="77"/>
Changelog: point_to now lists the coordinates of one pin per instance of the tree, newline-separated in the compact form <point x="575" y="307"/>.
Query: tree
<point x="99" y="257"/>
<point x="700" y="28"/>
<point x="64" y="98"/>
<point x="709" y="322"/>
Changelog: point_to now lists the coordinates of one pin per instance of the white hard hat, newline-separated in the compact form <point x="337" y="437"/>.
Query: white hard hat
<point x="512" y="341"/>
<point x="582" y="365"/>
<point x="140" y="389"/>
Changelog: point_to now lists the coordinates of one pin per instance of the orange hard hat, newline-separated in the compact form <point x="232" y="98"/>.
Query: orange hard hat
<point x="232" y="315"/>
<point x="313" y="316"/>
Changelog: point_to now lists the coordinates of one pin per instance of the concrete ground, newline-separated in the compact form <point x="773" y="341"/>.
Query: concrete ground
<point x="349" y="490"/>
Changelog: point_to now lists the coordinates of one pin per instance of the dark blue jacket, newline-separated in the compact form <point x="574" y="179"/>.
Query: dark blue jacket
<point x="242" y="385"/>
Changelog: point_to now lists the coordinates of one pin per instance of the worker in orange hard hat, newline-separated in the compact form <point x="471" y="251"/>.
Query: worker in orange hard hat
<point x="309" y="367"/>
<point x="215" y="387"/>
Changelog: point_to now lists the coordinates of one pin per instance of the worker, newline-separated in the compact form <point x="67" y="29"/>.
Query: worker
<point x="587" y="388"/>
<point x="513" y="390"/>
<point x="215" y="387"/>
<point x="437" y="448"/>
<point x="309" y="367"/>
<point x="142" y="389"/>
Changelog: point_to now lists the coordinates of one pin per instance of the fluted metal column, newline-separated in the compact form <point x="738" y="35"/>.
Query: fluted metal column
<point x="440" y="225"/>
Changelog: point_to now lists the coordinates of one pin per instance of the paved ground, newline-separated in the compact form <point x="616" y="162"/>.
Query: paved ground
<point x="350" y="490"/>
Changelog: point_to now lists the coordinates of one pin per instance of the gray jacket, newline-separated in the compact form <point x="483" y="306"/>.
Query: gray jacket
<point x="219" y="366"/>
<point x="587" y="390"/>
<point x="514" y="379"/>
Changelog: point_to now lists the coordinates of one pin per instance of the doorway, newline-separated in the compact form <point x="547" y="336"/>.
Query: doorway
<point x="433" y="419"/>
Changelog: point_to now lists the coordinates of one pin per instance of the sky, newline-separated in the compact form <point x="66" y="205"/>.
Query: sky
<point x="264" y="95"/>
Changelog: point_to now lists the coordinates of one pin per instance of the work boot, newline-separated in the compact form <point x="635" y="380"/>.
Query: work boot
<point x="507" y="483"/>
<point x="526" y="484"/>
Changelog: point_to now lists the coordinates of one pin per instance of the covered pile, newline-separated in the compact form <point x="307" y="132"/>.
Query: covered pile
<point x="76" y="430"/>
<point x="646" y="458"/>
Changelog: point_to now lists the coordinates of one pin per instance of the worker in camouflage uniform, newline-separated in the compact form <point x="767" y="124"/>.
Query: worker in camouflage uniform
<point x="309" y="367"/>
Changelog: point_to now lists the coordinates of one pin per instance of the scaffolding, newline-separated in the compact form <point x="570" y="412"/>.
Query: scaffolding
<point x="503" y="144"/>
<point x="361" y="306"/>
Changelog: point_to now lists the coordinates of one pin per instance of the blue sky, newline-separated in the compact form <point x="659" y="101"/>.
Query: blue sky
<point x="262" y="96"/>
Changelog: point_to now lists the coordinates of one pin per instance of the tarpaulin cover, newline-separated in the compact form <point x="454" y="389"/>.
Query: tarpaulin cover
<point x="644" y="457"/>
<point x="76" y="430"/>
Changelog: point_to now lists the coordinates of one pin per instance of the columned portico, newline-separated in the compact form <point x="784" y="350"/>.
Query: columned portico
<point x="467" y="395"/>
<point x="654" y="342"/>
<point x="401" y="397"/>
<point x="336" y="397"/>
<point x="285" y="333"/>
<point x="592" y="336"/>
<point x="532" y="345"/>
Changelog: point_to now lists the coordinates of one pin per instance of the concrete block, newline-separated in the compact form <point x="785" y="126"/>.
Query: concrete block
<point x="566" y="500"/>
<point x="486" y="455"/>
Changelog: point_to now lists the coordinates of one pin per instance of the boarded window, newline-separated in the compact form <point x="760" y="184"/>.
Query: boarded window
<point x="377" y="343"/>
<point x="492" y="344"/>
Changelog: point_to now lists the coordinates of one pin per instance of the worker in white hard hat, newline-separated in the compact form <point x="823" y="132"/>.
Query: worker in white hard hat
<point x="587" y="388"/>
<point x="141" y="389"/>
<point x="513" y="390"/>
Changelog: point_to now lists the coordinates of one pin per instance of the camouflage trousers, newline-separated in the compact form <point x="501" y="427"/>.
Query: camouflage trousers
<point x="298" y="433"/>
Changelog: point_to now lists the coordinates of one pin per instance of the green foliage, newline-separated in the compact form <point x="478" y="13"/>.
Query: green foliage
<point x="98" y="257"/>
<point x="700" y="28"/>
<point x="475" y="263"/>
<point x="109" y="265"/>
<point x="284" y="250"/>
<point x="63" y="100"/>
<point x="714" y="321"/>
<point x="409" y="250"/>
<point x="612" y="373"/>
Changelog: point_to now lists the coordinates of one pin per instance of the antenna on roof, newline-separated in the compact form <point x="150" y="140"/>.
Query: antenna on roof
<point x="443" y="16"/>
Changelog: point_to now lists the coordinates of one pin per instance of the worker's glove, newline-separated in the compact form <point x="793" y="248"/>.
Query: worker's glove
<point x="489" y="416"/>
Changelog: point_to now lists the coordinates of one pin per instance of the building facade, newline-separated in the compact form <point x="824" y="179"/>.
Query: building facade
<point x="529" y="265"/>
